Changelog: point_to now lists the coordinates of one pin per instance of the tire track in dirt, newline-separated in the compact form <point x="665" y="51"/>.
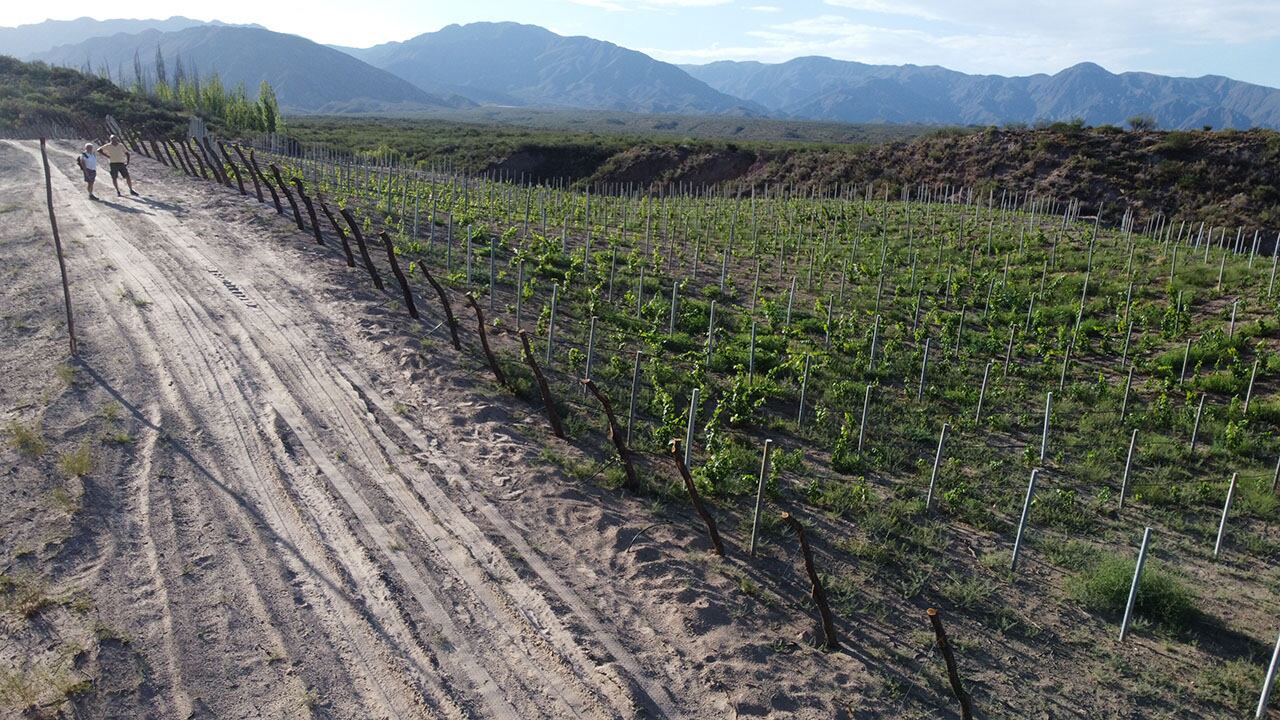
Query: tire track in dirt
<point x="368" y="516"/>
<point x="354" y="420"/>
<point x="259" y="356"/>
<point x="481" y="550"/>
<point x="130" y="264"/>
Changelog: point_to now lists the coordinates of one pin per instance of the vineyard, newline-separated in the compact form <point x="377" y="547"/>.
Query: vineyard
<point x="965" y="398"/>
<point x="913" y="355"/>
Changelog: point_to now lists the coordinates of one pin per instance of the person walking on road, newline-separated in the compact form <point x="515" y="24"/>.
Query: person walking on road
<point x="117" y="156"/>
<point x="88" y="163"/>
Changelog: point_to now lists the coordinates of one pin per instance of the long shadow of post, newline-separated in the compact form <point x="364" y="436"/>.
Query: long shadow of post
<point x="260" y="521"/>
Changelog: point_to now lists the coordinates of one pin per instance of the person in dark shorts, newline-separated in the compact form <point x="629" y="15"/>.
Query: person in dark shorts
<point x="117" y="156"/>
<point x="88" y="162"/>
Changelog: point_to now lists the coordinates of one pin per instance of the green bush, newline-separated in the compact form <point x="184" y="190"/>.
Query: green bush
<point x="1162" y="597"/>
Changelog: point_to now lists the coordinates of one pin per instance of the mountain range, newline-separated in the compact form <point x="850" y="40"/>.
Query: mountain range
<point x="305" y="75"/>
<point x="819" y="88"/>
<point x="509" y="64"/>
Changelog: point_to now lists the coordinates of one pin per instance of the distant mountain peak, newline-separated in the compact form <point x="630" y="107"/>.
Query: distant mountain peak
<point x="826" y="89"/>
<point x="508" y="63"/>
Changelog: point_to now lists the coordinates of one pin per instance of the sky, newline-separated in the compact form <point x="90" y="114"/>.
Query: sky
<point x="1236" y="38"/>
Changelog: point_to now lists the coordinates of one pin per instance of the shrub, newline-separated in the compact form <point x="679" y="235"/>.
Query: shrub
<point x="1162" y="597"/>
<point x="26" y="439"/>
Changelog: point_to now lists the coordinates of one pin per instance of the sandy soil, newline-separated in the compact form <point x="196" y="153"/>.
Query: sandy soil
<point x="293" y="507"/>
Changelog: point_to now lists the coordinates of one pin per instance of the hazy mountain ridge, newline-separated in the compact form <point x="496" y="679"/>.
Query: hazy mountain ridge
<point x="25" y="41"/>
<point x="821" y="88"/>
<point x="510" y="64"/>
<point x="514" y="64"/>
<point x="306" y="76"/>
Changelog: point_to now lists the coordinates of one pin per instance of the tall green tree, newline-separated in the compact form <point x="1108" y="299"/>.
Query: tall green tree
<point x="269" y="108"/>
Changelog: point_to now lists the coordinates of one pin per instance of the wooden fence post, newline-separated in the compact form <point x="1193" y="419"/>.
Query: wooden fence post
<point x="548" y="403"/>
<point x="831" y="642"/>
<point x="275" y="198"/>
<point x="297" y="216"/>
<point x="342" y="234"/>
<point x="257" y="188"/>
<point x="57" y="246"/>
<point x="615" y="434"/>
<point x="221" y="173"/>
<point x="311" y="210"/>
<point x="444" y="301"/>
<point x="484" y="343"/>
<point x="231" y="164"/>
<point x="695" y="498"/>
<point x="400" y="278"/>
<point x="364" y="249"/>
<point x="966" y="703"/>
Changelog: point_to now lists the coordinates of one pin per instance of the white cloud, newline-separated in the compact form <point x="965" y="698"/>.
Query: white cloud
<point x="765" y="8"/>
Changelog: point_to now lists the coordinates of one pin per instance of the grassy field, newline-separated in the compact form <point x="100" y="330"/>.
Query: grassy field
<point x="897" y="347"/>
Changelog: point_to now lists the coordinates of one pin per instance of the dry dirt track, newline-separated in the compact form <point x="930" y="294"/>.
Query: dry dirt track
<point x="292" y="531"/>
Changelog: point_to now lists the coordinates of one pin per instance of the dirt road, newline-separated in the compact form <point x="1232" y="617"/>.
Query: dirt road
<point x="296" y="507"/>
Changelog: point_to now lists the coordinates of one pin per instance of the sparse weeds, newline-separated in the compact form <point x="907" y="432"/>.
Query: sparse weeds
<point x="28" y="439"/>
<point x="1163" y="598"/>
<point x="76" y="463"/>
<point x="24" y="594"/>
<point x="127" y="294"/>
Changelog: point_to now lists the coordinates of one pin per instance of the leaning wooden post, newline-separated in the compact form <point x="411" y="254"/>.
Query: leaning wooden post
<point x="214" y="165"/>
<point x="155" y="152"/>
<point x="755" y="517"/>
<point x="1133" y="587"/>
<point x="616" y="435"/>
<point x="364" y="249"/>
<point x="966" y="703"/>
<point x="311" y="210"/>
<point x="184" y="155"/>
<point x="1226" y="508"/>
<point x="448" y="309"/>
<point x="231" y="164"/>
<point x="57" y="246"/>
<point x="297" y="216"/>
<point x="696" y="498"/>
<point x="342" y="234"/>
<point x="1022" y="522"/>
<point x="484" y="343"/>
<point x="830" y="641"/>
<point x="548" y="403"/>
<point x="193" y="157"/>
<point x="257" y="188"/>
<point x="400" y="278"/>
<point x="275" y="197"/>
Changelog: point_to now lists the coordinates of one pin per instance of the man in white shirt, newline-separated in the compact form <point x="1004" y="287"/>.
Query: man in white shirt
<point x="88" y="163"/>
